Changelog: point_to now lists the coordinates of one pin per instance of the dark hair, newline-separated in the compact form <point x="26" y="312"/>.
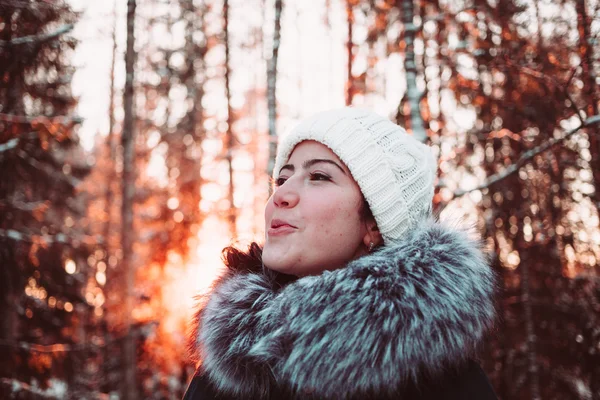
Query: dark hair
<point x="250" y="261"/>
<point x="238" y="260"/>
<point x="365" y="211"/>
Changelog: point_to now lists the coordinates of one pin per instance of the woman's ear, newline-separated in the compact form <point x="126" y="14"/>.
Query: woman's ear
<point x="372" y="235"/>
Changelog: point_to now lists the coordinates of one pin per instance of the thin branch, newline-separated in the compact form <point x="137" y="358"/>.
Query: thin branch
<point x="23" y="4"/>
<point x="145" y="328"/>
<point x="37" y="38"/>
<point x="51" y="348"/>
<point x="49" y="239"/>
<point x="24" y="206"/>
<point x="18" y="386"/>
<point x="71" y="180"/>
<point x="527" y="156"/>
<point x="12" y="143"/>
<point x="24" y="237"/>
<point x="564" y="88"/>
<point x="579" y="386"/>
<point x="571" y="76"/>
<point x="24" y="119"/>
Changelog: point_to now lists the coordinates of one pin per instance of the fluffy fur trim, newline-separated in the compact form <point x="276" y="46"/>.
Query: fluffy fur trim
<point x="386" y="320"/>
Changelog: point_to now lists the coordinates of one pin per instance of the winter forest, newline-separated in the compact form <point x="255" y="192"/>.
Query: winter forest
<point x="137" y="139"/>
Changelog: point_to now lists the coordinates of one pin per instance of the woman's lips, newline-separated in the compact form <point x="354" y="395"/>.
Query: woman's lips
<point x="281" y="230"/>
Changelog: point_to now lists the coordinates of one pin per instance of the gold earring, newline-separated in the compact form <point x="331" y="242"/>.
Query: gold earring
<point x="371" y="245"/>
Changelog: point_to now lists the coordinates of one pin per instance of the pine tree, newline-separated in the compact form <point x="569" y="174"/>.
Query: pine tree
<point x="522" y="95"/>
<point x="44" y="243"/>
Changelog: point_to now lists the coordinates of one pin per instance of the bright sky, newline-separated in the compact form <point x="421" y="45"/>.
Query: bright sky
<point x="312" y="61"/>
<point x="91" y="82"/>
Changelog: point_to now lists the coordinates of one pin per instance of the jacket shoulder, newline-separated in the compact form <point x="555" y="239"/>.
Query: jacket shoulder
<point x="200" y="388"/>
<point x="469" y="382"/>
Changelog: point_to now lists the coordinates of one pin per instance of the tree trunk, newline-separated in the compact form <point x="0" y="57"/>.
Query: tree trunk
<point x="195" y="89"/>
<point x="108" y="200"/>
<point x="128" y="142"/>
<point x="540" y="23"/>
<point x="9" y="319"/>
<point x="9" y="296"/>
<point x="589" y="92"/>
<point x="425" y="95"/>
<point x="260" y="164"/>
<point x="350" y="47"/>
<point x="530" y="336"/>
<point x="230" y="139"/>
<point x="189" y="181"/>
<point x="110" y="137"/>
<point x="410" y="66"/>
<point x="272" y="88"/>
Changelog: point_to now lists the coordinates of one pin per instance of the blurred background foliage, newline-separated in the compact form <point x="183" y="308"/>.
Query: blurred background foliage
<point x="107" y="230"/>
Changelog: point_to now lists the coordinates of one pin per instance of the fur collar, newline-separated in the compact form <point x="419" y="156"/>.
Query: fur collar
<point x="388" y="319"/>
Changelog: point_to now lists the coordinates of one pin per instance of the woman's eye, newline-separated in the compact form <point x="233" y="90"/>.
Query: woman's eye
<point x="280" y="181"/>
<point x="314" y="176"/>
<point x="317" y="176"/>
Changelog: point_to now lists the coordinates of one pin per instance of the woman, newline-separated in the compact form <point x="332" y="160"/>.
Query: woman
<point x="357" y="292"/>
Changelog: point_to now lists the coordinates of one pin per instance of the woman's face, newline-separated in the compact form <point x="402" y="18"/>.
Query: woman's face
<point x="312" y="220"/>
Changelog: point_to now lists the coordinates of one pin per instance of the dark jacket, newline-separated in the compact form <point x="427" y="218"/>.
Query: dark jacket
<point x="403" y="322"/>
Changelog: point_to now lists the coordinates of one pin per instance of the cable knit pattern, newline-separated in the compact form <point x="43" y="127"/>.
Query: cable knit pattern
<point x="395" y="172"/>
<point x="387" y="319"/>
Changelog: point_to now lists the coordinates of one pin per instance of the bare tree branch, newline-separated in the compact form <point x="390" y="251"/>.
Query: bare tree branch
<point x="571" y="76"/>
<point x="577" y="111"/>
<point x="51" y="348"/>
<point x="24" y="119"/>
<point x="23" y="206"/>
<point x="527" y="156"/>
<point x="17" y="386"/>
<point x="37" y="38"/>
<point x="50" y="239"/>
<point x="23" y="237"/>
<point x="563" y="87"/>
<point x="12" y="143"/>
<point x="71" y="180"/>
<point x="129" y="388"/>
<point x="579" y="386"/>
<point x="143" y="328"/>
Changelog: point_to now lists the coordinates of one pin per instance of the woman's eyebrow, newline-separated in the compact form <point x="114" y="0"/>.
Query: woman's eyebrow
<point x="309" y="163"/>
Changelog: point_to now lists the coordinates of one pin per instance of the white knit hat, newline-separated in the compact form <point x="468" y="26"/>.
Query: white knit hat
<point x="394" y="171"/>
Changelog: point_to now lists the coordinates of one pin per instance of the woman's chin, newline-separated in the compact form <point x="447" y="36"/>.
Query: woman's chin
<point x="278" y="266"/>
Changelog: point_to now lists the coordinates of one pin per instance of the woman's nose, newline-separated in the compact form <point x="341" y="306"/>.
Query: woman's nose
<point x="286" y="196"/>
